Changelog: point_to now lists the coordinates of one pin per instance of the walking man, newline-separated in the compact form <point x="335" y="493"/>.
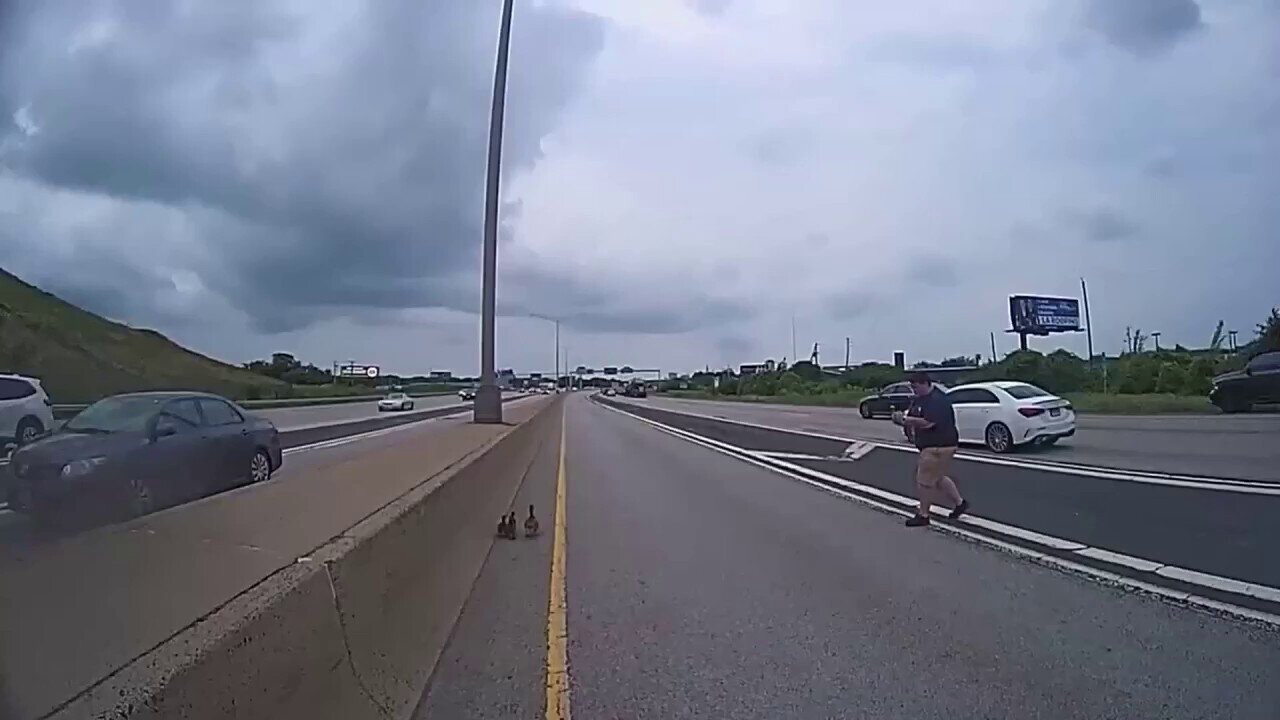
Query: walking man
<point x="930" y="422"/>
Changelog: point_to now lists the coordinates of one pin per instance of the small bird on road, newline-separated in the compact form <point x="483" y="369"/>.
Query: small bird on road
<point x="507" y="526"/>
<point x="530" y="524"/>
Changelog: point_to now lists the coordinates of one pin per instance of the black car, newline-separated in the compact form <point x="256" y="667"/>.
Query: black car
<point x="1257" y="384"/>
<point x="890" y="399"/>
<point x="134" y="453"/>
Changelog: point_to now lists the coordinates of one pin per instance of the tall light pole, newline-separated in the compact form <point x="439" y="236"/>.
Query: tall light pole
<point x="488" y="403"/>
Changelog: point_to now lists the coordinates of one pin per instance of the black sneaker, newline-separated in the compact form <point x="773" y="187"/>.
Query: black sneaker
<point x="918" y="521"/>
<point x="959" y="510"/>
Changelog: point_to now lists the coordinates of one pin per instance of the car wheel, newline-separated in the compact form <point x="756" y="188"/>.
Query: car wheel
<point x="139" y="499"/>
<point x="259" y="467"/>
<point x="998" y="438"/>
<point x="409" y="406"/>
<point x="28" y="430"/>
<point x="864" y="410"/>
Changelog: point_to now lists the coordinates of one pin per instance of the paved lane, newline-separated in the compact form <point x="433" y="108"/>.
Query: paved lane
<point x="702" y="586"/>
<point x="312" y="415"/>
<point x="1238" y="446"/>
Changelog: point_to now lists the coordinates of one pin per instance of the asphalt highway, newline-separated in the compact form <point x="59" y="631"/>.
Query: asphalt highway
<point x="1229" y="446"/>
<point x="293" y="418"/>
<point x="703" y="585"/>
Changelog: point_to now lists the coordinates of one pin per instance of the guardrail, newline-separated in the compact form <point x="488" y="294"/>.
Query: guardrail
<point x="66" y="410"/>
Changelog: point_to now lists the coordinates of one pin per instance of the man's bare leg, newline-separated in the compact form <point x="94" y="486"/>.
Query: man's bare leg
<point x="950" y="491"/>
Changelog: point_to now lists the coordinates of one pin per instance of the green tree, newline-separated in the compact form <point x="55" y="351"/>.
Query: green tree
<point x="1269" y="332"/>
<point x="1173" y="378"/>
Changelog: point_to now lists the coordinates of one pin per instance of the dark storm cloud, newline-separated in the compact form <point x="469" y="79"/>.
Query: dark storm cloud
<point x="1142" y="25"/>
<point x="344" y="173"/>
<point x="588" y="306"/>
<point x="1100" y="225"/>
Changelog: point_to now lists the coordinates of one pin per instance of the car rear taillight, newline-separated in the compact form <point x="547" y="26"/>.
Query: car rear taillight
<point x="1030" y="411"/>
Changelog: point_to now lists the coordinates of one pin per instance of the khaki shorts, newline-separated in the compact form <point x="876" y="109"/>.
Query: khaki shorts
<point x="933" y="465"/>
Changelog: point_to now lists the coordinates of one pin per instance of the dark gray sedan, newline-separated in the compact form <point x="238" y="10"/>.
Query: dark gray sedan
<point x="134" y="453"/>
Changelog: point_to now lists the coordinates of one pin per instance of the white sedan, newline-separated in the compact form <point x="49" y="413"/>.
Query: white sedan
<point x="1003" y="415"/>
<point x="395" y="401"/>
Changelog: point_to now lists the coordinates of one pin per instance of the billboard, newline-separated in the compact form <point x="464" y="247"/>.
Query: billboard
<point x="363" y="371"/>
<point x="611" y="371"/>
<point x="1038" y="315"/>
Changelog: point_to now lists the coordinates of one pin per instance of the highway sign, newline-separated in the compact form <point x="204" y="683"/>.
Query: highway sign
<point x="1038" y="315"/>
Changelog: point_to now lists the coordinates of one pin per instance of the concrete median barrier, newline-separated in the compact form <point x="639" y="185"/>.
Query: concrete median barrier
<point x="354" y="629"/>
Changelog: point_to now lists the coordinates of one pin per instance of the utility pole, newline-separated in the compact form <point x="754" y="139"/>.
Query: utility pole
<point x="1088" y="321"/>
<point x="1156" y="336"/>
<point x="557" y="356"/>
<point x="846" y="353"/>
<point x="793" y="337"/>
<point x="487" y="407"/>
<point x="994" y="357"/>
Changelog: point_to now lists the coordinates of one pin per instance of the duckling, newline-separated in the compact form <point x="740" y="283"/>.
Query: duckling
<point x="511" y="526"/>
<point x="530" y="524"/>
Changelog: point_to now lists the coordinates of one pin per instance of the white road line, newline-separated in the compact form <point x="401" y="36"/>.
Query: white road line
<point x="1118" y="559"/>
<point x="1249" y="487"/>
<point x="899" y="505"/>
<point x="858" y="449"/>
<point x="346" y="439"/>
<point x="797" y="456"/>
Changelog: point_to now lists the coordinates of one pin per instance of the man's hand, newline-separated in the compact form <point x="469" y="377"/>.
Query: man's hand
<point x="916" y="423"/>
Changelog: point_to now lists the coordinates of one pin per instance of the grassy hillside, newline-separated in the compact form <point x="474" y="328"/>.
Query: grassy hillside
<point x="80" y="356"/>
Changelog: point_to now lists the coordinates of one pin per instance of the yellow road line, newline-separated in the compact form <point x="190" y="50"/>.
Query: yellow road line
<point x="557" y="622"/>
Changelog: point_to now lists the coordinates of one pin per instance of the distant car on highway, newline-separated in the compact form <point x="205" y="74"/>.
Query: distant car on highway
<point x="1258" y="383"/>
<point x="636" y="390"/>
<point x="467" y="394"/>
<point x="25" y="410"/>
<point x="134" y="453"/>
<point x="609" y="392"/>
<point x="1003" y="415"/>
<point x="395" y="401"/>
<point x="895" y="397"/>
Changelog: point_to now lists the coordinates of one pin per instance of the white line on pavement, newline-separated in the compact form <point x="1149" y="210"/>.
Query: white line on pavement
<point x="901" y="505"/>
<point x="335" y="442"/>
<point x="1249" y="487"/>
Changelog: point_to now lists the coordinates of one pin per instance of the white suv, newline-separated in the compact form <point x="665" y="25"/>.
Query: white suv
<point x="25" y="410"/>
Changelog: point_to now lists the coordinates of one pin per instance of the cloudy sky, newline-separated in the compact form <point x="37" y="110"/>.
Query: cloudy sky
<point x="681" y="179"/>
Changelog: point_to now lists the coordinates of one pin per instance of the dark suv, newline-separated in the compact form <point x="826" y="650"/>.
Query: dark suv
<point x="1257" y="384"/>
